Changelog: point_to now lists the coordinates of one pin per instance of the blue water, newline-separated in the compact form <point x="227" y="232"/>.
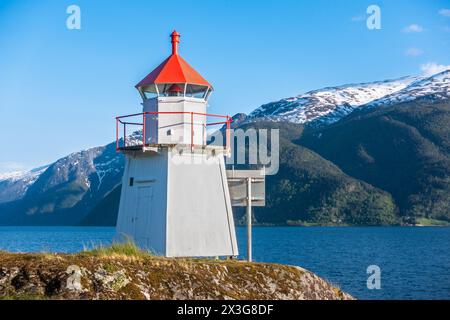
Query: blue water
<point x="414" y="262"/>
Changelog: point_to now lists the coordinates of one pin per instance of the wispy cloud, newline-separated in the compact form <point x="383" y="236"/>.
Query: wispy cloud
<point x="413" y="28"/>
<point x="413" y="52"/>
<point x="430" y="68"/>
<point x="444" y="12"/>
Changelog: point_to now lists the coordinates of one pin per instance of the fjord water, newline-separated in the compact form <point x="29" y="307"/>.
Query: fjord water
<point x="414" y="261"/>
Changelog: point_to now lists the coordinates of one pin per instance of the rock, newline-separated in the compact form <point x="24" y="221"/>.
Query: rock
<point x="112" y="281"/>
<point x="74" y="280"/>
<point x="91" y="276"/>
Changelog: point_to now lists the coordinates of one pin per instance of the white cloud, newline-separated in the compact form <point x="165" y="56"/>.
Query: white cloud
<point x="413" y="28"/>
<point x="444" y="12"/>
<point x="413" y="52"/>
<point x="431" y="68"/>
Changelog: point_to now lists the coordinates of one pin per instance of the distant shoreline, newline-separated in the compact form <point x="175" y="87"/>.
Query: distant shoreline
<point x="288" y="224"/>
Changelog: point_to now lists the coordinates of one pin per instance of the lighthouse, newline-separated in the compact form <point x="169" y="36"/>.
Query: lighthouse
<point x="175" y="199"/>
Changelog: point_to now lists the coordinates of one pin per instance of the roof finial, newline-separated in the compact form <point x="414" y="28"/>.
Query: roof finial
<point x="175" y="40"/>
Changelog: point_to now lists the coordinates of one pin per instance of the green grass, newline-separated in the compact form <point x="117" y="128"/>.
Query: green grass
<point x="127" y="248"/>
<point x="431" y="222"/>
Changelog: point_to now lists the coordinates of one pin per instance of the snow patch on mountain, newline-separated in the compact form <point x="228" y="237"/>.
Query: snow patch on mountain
<point x="329" y="104"/>
<point x="111" y="163"/>
<point x="30" y="175"/>
<point x="13" y="185"/>
<point x="436" y="87"/>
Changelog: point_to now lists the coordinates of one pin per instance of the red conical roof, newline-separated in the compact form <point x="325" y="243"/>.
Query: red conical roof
<point x="174" y="70"/>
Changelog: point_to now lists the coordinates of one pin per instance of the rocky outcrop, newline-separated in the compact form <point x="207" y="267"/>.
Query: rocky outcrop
<point x="91" y="276"/>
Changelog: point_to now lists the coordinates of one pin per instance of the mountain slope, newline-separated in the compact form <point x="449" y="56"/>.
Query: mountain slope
<point x="306" y="189"/>
<point x="67" y="190"/>
<point x="14" y="185"/>
<point x="105" y="211"/>
<point x="328" y="105"/>
<point x="434" y="88"/>
<point x="310" y="189"/>
<point x="403" y="149"/>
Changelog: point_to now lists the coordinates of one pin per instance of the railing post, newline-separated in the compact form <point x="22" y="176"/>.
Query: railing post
<point x="143" y="130"/>
<point x="124" y="135"/>
<point x="117" y="134"/>
<point x="249" y="219"/>
<point x="228" y="135"/>
<point x="192" y="132"/>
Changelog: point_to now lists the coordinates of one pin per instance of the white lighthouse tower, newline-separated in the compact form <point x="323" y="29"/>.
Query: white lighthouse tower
<point x="175" y="199"/>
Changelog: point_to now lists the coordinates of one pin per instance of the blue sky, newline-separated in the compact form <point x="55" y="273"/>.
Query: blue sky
<point x="60" y="89"/>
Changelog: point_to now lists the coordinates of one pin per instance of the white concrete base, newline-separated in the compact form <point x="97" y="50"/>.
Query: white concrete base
<point x="178" y="204"/>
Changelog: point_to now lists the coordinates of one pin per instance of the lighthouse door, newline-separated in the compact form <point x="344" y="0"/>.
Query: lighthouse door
<point x="142" y="215"/>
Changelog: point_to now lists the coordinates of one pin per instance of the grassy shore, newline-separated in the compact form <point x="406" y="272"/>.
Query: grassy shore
<point x="123" y="271"/>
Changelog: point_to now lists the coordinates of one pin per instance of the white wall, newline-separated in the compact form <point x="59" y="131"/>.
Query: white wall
<point x="179" y="125"/>
<point x="149" y="229"/>
<point x="200" y="218"/>
<point x="189" y="211"/>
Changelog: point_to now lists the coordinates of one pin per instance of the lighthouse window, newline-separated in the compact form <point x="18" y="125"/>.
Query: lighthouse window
<point x="196" y="91"/>
<point x="131" y="181"/>
<point x="150" y="95"/>
<point x="149" y="92"/>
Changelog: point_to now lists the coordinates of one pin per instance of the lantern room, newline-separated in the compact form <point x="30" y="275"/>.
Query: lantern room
<point x="174" y="99"/>
<point x="174" y="72"/>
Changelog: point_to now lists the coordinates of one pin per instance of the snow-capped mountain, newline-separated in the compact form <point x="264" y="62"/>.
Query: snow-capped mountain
<point x="13" y="185"/>
<point x="436" y="87"/>
<point x="20" y="175"/>
<point x="62" y="192"/>
<point x="83" y="167"/>
<point x="68" y="189"/>
<point x="328" y="105"/>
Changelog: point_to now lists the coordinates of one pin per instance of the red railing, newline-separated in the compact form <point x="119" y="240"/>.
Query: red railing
<point x="133" y="143"/>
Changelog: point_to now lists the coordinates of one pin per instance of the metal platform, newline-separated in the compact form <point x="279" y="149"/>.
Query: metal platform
<point x="138" y="142"/>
